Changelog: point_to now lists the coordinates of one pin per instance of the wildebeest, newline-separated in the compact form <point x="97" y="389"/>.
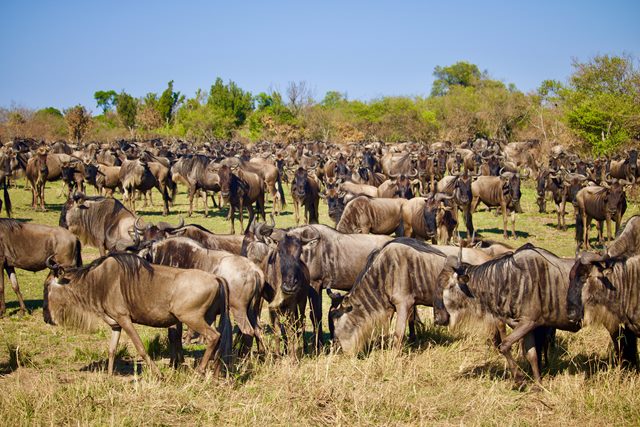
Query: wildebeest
<point x="6" y="170"/>
<point x="428" y="218"/>
<point x="27" y="246"/>
<point x="244" y="278"/>
<point x="136" y="175"/>
<point x="224" y="242"/>
<point x="502" y="191"/>
<point x="525" y="289"/>
<point x="198" y="173"/>
<point x="563" y="186"/>
<point x="608" y="293"/>
<point x="103" y="223"/>
<point x="602" y="203"/>
<point x="334" y="259"/>
<point x="37" y="172"/>
<point x="241" y="189"/>
<point x="288" y="280"/>
<point x="459" y="186"/>
<point x="396" y="278"/>
<point x="626" y="168"/>
<point x="123" y="289"/>
<point x="366" y="215"/>
<point x="306" y="192"/>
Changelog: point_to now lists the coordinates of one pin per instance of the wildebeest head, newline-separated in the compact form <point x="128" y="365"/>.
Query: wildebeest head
<point x="368" y="160"/>
<point x="299" y="184"/>
<point x="541" y="187"/>
<point x="573" y="182"/>
<point x="292" y="269"/>
<point x="433" y="207"/>
<point x="587" y="279"/>
<point x="90" y="173"/>
<point x="335" y="202"/>
<point x="225" y="181"/>
<point x="453" y="294"/>
<point x="511" y="186"/>
<point x="462" y="189"/>
<point x="632" y="159"/>
<point x="616" y="197"/>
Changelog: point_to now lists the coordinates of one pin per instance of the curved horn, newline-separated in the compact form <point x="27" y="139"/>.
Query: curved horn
<point x="50" y="263"/>
<point x="414" y="174"/>
<point x="336" y="298"/>
<point x="138" y="227"/>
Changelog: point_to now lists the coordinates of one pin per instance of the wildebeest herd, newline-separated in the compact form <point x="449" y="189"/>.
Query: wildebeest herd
<point x="164" y="275"/>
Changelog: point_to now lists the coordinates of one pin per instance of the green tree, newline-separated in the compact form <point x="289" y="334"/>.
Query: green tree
<point x="105" y="99"/>
<point x="168" y="102"/>
<point x="461" y="73"/>
<point x="230" y="99"/>
<point x="602" y="102"/>
<point x="127" y="109"/>
<point x="78" y="122"/>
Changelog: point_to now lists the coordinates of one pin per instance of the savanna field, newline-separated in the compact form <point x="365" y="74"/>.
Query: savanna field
<point x="53" y="376"/>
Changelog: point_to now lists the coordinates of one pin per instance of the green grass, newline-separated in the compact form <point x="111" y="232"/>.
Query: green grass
<point x="50" y="375"/>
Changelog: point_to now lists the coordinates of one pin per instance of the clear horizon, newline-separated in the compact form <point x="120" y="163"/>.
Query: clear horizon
<point x="60" y="54"/>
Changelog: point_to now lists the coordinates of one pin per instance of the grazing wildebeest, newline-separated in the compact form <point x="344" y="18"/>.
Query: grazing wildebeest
<point x="608" y="293"/>
<point x="244" y="278"/>
<point x="241" y="189"/>
<point x="37" y="172"/>
<point x="123" y="289"/>
<point x="306" y="192"/>
<point x="334" y="260"/>
<point x="103" y="223"/>
<point x="525" y="289"/>
<point x="366" y="215"/>
<point x="602" y="203"/>
<point x="396" y="278"/>
<point x="502" y="191"/>
<point x="27" y="246"/>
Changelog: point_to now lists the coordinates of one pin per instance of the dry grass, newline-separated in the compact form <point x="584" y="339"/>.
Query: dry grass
<point x="50" y="375"/>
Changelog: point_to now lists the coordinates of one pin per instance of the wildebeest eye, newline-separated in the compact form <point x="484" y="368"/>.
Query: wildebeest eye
<point x="463" y="278"/>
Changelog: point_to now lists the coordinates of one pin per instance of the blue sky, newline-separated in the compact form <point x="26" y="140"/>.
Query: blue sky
<point x="58" y="53"/>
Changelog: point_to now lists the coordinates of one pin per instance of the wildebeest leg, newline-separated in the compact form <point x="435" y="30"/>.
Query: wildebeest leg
<point x="296" y="211"/>
<point x="206" y="204"/>
<point x="513" y="224"/>
<point x="11" y="272"/>
<point x="176" y="355"/>
<point x="504" y="219"/>
<point x="315" y="314"/>
<point x="126" y="324"/>
<point x="625" y="345"/>
<point x="474" y="204"/>
<point x="231" y="216"/>
<point x="402" y="315"/>
<point x="608" y="219"/>
<point x="3" y="307"/>
<point x="212" y="338"/>
<point x="192" y="192"/>
<point x="530" y="352"/>
<point x="523" y="328"/>
<point x="277" y="329"/>
<point x="113" y="346"/>
<point x="600" y="231"/>
<point x="586" y="223"/>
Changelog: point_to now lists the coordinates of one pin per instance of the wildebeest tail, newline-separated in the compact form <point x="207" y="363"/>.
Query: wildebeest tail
<point x="7" y="199"/>
<point x="400" y="229"/>
<point x="281" y="190"/>
<point x="77" y="253"/>
<point x="224" y="326"/>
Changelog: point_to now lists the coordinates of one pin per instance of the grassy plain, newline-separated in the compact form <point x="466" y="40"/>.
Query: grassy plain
<point x="50" y="375"/>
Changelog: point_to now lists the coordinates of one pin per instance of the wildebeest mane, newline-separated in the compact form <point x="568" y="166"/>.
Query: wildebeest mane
<point x="407" y="241"/>
<point x="129" y="263"/>
<point x="7" y="225"/>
